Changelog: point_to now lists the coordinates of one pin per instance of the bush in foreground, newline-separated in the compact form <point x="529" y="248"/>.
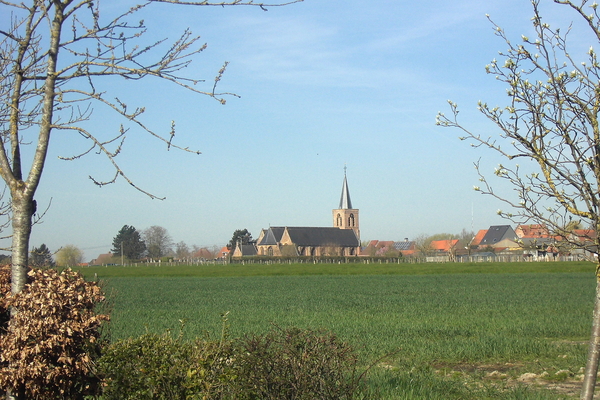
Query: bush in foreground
<point x="295" y="364"/>
<point x="157" y="367"/>
<point x="282" y="364"/>
<point x="49" y="346"/>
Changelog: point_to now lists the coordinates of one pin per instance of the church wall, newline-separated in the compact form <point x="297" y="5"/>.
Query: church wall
<point x="269" y="250"/>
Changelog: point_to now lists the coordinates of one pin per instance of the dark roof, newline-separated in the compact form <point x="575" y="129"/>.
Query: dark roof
<point x="405" y="245"/>
<point x="272" y="237"/>
<point x="248" y="250"/>
<point x="322" y="236"/>
<point x="536" y="241"/>
<point x="497" y="233"/>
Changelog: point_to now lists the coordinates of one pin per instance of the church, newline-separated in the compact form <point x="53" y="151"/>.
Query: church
<point x="342" y="239"/>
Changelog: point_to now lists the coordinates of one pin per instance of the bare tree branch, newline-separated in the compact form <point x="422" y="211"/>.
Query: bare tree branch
<point x="551" y="124"/>
<point x="56" y="57"/>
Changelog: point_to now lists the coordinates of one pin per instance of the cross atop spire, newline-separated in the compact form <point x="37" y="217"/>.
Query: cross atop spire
<point x="345" y="202"/>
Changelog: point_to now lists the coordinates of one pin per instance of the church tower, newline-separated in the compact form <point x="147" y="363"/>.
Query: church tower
<point x="346" y="217"/>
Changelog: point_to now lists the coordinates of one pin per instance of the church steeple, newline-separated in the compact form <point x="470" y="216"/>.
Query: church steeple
<point x="346" y="217"/>
<point x="345" y="202"/>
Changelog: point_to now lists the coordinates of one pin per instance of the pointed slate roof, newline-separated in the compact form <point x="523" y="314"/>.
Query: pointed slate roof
<point x="345" y="202"/>
<point x="497" y="233"/>
<point x="272" y="236"/>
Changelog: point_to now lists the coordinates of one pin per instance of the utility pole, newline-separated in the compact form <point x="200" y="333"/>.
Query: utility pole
<point x="122" y="264"/>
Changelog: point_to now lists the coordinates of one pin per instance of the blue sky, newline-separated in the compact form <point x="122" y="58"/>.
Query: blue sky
<point x="323" y="84"/>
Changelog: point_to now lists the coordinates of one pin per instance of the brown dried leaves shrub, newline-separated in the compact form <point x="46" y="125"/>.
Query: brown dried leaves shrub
<point x="4" y="291"/>
<point x="48" y="348"/>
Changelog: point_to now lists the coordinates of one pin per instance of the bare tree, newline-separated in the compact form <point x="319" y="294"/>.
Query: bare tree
<point x="182" y="250"/>
<point x="158" y="241"/>
<point x="210" y="252"/>
<point x="423" y="244"/>
<point x="465" y="237"/>
<point x="551" y="127"/>
<point x="54" y="57"/>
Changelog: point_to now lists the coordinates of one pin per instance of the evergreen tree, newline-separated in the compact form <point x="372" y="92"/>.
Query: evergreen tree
<point x="130" y="242"/>
<point x="41" y="257"/>
<point x="243" y="236"/>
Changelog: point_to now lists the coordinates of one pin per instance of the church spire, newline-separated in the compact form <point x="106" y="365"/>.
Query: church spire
<point x="345" y="202"/>
<point x="346" y="217"/>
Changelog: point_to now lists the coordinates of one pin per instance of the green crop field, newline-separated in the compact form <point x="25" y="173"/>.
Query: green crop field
<point x="374" y="268"/>
<point x="450" y="331"/>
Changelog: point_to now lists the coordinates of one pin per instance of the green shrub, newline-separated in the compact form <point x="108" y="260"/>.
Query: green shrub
<point x="294" y="364"/>
<point x="156" y="367"/>
<point x="49" y="346"/>
<point x="282" y="364"/>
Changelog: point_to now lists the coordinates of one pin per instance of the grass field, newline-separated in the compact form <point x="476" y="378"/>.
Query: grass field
<point x="453" y="331"/>
<point x="239" y="270"/>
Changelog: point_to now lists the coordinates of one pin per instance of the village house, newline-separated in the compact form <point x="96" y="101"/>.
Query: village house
<point x="389" y="248"/>
<point x="443" y="250"/>
<point x="533" y="231"/>
<point x="474" y="244"/>
<point x="102" y="259"/>
<point x="585" y="241"/>
<point x="406" y="247"/>
<point x="378" y="248"/>
<point x="535" y="241"/>
<point x="496" y="234"/>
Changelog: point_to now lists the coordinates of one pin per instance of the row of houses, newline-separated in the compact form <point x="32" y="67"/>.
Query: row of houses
<point x="527" y="241"/>
<point x="343" y="239"/>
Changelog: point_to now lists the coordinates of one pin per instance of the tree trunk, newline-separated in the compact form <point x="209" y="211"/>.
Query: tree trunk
<point x="22" y="209"/>
<point x="21" y="227"/>
<point x="591" y="369"/>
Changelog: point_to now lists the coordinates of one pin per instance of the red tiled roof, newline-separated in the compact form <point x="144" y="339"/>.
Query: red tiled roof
<point x="477" y="239"/>
<point x="205" y="253"/>
<point x="377" y="247"/>
<point x="532" y="231"/>
<point x="443" y="245"/>
<point x="584" y="234"/>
